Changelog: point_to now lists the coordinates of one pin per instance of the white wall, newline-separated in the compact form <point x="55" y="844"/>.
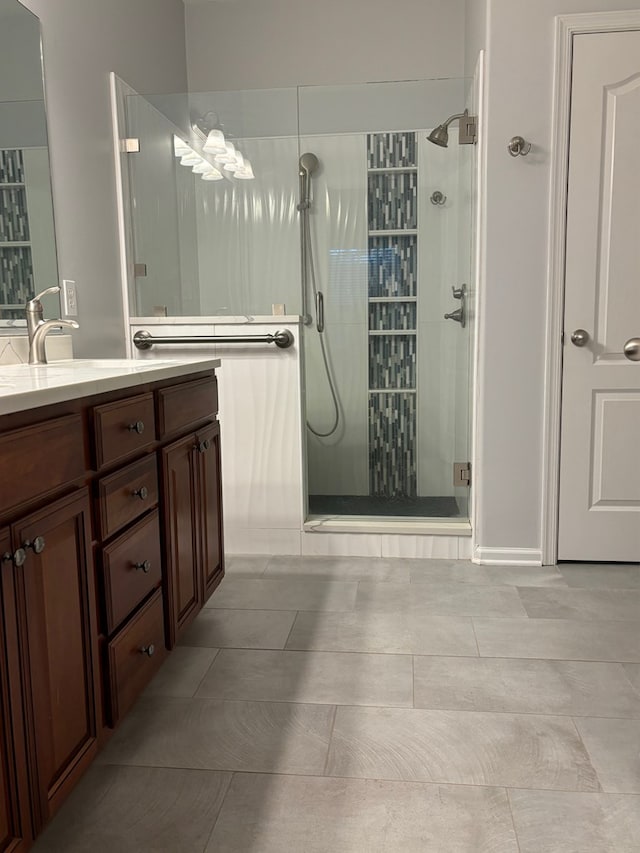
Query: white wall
<point x="20" y="65"/>
<point x="268" y="43"/>
<point x="475" y="33"/>
<point x="143" y="42"/>
<point x="512" y="358"/>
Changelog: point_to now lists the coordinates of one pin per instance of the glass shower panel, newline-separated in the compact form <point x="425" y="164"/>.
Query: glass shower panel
<point x="213" y="243"/>
<point x="390" y="231"/>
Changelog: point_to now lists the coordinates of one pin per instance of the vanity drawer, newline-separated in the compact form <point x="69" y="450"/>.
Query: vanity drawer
<point x="38" y="459"/>
<point x="123" y="428"/>
<point x="183" y="406"/>
<point x="134" y="657"/>
<point x="127" y="494"/>
<point x="131" y="568"/>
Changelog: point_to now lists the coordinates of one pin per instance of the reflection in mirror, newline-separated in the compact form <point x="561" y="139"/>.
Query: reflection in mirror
<point x="27" y="239"/>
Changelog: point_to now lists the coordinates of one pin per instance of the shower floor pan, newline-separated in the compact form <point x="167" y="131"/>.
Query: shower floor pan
<point x="399" y="507"/>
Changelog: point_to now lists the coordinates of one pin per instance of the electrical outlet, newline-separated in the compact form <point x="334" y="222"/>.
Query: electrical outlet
<point x="69" y="298"/>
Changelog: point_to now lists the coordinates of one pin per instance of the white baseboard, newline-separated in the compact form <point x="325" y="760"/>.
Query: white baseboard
<point x="507" y="556"/>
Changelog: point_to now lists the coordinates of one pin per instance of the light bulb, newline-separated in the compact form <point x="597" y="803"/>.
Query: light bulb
<point x="246" y="172"/>
<point x="212" y="175"/>
<point x="180" y="147"/>
<point x="215" y="142"/>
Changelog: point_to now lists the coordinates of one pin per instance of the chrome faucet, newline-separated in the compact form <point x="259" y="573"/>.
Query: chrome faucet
<point x="38" y="328"/>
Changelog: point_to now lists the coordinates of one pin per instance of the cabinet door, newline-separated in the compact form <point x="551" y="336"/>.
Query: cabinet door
<point x="56" y="623"/>
<point x="184" y="597"/>
<point x="210" y="508"/>
<point x="15" y="832"/>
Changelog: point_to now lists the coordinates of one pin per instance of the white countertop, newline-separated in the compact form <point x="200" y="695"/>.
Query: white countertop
<point x="24" y="386"/>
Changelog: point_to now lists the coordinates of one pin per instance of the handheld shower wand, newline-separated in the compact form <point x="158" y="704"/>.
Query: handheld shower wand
<point x="307" y="164"/>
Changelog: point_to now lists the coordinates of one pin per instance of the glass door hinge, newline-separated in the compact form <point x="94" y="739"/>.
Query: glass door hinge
<point x="461" y="473"/>
<point x="130" y="145"/>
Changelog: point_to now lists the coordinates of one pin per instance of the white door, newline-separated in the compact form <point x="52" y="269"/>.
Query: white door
<point x="600" y="444"/>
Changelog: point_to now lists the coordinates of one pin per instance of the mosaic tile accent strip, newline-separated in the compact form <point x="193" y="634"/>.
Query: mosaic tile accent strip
<point x="393" y="266"/>
<point x="14" y="223"/>
<point x="392" y="361"/>
<point x="389" y="150"/>
<point x="11" y="166"/>
<point x="392" y="315"/>
<point x="392" y="443"/>
<point x="392" y="201"/>
<point x="16" y="276"/>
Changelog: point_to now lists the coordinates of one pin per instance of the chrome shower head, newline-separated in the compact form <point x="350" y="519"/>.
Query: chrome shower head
<point x="467" y="135"/>
<point x="308" y="163"/>
<point x="439" y="136"/>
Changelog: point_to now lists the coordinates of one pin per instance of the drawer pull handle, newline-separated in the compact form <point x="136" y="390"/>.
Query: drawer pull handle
<point x="37" y="546"/>
<point x="144" y="566"/>
<point x="203" y="446"/>
<point x="149" y="650"/>
<point x="142" y="493"/>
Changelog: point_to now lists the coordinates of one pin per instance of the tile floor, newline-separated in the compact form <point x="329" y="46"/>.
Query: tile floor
<point x="359" y="705"/>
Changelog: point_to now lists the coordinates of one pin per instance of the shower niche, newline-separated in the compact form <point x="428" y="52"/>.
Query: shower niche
<point x="392" y="204"/>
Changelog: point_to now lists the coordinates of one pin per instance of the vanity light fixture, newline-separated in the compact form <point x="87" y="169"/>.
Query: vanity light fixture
<point x="212" y="175"/>
<point x="246" y="173"/>
<point x="190" y="159"/>
<point x="215" y="143"/>
<point x="208" y="129"/>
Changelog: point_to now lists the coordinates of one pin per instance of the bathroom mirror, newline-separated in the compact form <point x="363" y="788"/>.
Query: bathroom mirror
<point x="28" y="261"/>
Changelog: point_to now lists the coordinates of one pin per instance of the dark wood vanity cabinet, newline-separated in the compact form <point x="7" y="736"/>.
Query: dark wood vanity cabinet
<point x="55" y="609"/>
<point x="191" y="486"/>
<point x="108" y="549"/>
<point x="15" y="818"/>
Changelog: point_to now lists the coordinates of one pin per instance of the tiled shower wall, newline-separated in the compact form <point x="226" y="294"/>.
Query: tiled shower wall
<point x="393" y="262"/>
<point x="16" y="263"/>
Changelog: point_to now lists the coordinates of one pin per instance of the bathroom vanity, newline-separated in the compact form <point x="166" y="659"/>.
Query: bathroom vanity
<point x="110" y="543"/>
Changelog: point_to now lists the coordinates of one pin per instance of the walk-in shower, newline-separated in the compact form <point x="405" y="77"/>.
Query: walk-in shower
<point x="354" y="222"/>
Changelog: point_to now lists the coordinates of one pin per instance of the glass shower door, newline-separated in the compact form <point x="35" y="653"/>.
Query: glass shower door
<point x="390" y="230"/>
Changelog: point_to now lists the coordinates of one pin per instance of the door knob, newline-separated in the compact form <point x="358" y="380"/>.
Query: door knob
<point x="580" y="338"/>
<point x="632" y="349"/>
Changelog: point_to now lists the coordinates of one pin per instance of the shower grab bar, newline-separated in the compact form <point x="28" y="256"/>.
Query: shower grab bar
<point x="282" y="339"/>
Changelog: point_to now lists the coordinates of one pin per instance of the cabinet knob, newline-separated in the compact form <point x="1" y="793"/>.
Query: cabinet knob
<point x="7" y="557"/>
<point x="138" y="427"/>
<point x="19" y="557"/>
<point x="149" y="650"/>
<point x="142" y="493"/>
<point x="144" y="566"/>
<point x="203" y="446"/>
<point x="37" y="545"/>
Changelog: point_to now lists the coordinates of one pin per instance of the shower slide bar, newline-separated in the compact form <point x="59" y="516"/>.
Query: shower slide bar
<point x="283" y="340"/>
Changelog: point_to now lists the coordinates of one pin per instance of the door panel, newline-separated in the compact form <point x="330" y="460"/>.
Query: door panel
<point x="180" y="530"/>
<point x="56" y="606"/>
<point x="210" y="508"/>
<point x="600" y="450"/>
<point x="15" y="830"/>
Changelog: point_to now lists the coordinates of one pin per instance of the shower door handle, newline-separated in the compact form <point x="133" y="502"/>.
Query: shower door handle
<point x="319" y="311"/>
